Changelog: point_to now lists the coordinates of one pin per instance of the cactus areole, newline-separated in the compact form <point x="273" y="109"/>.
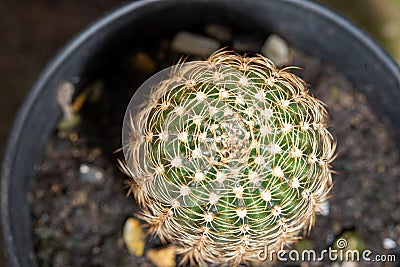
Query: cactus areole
<point x="228" y="156"/>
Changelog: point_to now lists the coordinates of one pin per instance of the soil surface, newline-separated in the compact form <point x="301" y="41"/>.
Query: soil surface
<point x="78" y="197"/>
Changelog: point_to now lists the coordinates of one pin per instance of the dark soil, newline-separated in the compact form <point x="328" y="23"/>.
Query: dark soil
<point x="77" y="219"/>
<point x="366" y="195"/>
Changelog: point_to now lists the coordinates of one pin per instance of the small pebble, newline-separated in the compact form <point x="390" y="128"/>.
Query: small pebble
<point x="70" y="122"/>
<point x="162" y="257"/>
<point x="143" y="62"/>
<point x="96" y="250"/>
<point x="219" y="32"/>
<point x="389" y="243"/>
<point x="73" y="137"/>
<point x="194" y="44"/>
<point x="134" y="237"/>
<point x="349" y="264"/>
<point x="55" y="188"/>
<point x="91" y="173"/>
<point x="81" y="98"/>
<point x="276" y="49"/>
<point x="80" y="198"/>
<point x="337" y="227"/>
<point x="94" y="153"/>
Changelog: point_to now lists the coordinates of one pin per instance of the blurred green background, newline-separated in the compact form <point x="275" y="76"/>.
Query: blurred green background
<point x="33" y="31"/>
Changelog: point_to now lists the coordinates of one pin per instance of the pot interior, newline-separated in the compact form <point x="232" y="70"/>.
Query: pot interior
<point x="306" y="26"/>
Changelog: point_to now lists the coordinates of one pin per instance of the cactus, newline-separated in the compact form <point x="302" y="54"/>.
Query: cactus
<point x="228" y="155"/>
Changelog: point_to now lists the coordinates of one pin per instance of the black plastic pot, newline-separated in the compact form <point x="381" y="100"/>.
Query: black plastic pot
<point x="305" y="25"/>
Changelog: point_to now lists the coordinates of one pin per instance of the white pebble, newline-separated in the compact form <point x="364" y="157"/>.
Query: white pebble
<point x="389" y="243"/>
<point x="84" y="168"/>
<point x="276" y="49"/>
<point x="194" y="44"/>
<point x="349" y="264"/>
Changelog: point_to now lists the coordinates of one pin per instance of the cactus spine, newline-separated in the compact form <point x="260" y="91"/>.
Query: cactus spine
<point x="228" y="155"/>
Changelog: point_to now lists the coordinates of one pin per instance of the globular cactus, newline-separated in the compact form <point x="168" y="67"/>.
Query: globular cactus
<point x="228" y="155"/>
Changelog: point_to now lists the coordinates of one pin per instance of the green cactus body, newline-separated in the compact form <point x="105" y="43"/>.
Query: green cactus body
<point x="228" y="156"/>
